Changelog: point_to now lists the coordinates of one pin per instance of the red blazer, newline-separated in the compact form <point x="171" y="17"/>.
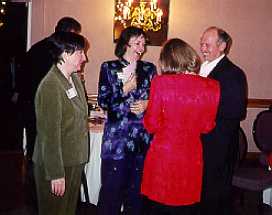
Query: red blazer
<point x="181" y="107"/>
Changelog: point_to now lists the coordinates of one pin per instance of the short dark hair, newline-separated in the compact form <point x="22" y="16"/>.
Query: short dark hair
<point x="68" y="24"/>
<point x="177" y="56"/>
<point x="65" y="42"/>
<point x="124" y="38"/>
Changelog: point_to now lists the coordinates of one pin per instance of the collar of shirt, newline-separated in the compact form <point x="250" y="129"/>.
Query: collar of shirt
<point x="207" y="67"/>
<point x="123" y="62"/>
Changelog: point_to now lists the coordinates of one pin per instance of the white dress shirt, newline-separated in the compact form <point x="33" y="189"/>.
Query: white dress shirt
<point x="207" y="67"/>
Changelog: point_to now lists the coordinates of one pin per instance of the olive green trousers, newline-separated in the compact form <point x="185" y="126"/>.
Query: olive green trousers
<point x="50" y="204"/>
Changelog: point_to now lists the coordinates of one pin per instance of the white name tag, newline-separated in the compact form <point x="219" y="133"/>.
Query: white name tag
<point x="71" y="93"/>
<point x="123" y="76"/>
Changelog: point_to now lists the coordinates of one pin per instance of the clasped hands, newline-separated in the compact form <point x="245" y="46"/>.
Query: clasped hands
<point x="139" y="106"/>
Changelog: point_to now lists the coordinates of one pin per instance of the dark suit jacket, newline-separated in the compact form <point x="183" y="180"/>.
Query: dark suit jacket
<point x="37" y="63"/>
<point x="220" y="146"/>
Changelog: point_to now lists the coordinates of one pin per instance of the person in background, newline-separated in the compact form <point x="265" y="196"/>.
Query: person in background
<point x="123" y="92"/>
<point x="37" y="62"/>
<point x="6" y="108"/>
<point x="182" y="106"/>
<point x="220" y="146"/>
<point x="61" y="148"/>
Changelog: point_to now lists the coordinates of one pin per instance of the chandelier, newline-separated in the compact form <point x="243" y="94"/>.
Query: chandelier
<point x="144" y="14"/>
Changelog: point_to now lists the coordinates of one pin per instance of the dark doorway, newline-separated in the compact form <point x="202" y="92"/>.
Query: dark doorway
<point x="13" y="40"/>
<point x="13" y="33"/>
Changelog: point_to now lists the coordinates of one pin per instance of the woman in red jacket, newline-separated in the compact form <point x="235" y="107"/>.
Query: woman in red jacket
<point x="182" y="106"/>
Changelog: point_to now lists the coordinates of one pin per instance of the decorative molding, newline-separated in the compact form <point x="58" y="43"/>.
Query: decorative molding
<point x="259" y="103"/>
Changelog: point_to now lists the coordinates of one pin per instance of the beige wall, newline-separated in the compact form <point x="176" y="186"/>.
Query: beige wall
<point x="248" y="21"/>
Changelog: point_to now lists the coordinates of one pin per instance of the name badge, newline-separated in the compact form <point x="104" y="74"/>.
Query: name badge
<point x="71" y="93"/>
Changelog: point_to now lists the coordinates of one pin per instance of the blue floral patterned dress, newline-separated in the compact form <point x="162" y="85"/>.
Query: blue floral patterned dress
<point x="124" y="132"/>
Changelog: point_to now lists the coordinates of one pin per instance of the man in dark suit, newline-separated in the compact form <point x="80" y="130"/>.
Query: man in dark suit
<point x="37" y="63"/>
<point x="220" y="146"/>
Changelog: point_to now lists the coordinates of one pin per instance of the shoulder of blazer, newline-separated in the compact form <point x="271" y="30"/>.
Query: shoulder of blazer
<point x="148" y="66"/>
<point x="226" y="68"/>
<point x="112" y="64"/>
<point x="145" y="68"/>
<point x="223" y="64"/>
<point x="58" y="74"/>
<point x="54" y="79"/>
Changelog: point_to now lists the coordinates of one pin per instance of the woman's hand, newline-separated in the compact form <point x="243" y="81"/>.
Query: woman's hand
<point x="138" y="106"/>
<point x="130" y="84"/>
<point x="58" y="186"/>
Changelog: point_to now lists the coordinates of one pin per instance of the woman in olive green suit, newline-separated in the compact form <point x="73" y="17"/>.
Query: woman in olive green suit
<point x="62" y="135"/>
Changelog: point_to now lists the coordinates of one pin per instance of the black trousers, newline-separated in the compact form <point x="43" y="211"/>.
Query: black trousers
<point x="156" y="208"/>
<point x="121" y="181"/>
<point x="219" y="162"/>
<point x="217" y="200"/>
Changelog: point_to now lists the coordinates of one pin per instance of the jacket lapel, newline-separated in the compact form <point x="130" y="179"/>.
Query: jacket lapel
<point x="79" y="99"/>
<point x="218" y="67"/>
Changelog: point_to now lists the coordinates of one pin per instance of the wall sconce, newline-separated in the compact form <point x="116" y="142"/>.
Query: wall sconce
<point x="150" y="15"/>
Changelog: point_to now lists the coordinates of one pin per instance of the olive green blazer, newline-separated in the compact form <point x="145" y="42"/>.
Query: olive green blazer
<point x="62" y="129"/>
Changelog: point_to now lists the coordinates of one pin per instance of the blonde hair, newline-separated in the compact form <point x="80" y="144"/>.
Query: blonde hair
<point x="178" y="57"/>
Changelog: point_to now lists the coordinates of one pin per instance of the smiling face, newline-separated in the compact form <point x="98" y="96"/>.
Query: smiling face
<point x="135" y="48"/>
<point x="210" y="47"/>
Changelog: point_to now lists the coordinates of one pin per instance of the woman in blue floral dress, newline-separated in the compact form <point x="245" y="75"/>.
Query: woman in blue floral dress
<point x="123" y="92"/>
